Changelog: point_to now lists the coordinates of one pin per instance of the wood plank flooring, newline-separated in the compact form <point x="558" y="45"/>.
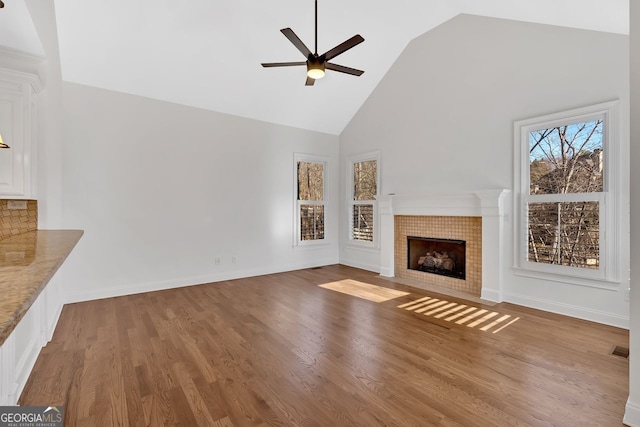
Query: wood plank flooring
<point x="281" y="350"/>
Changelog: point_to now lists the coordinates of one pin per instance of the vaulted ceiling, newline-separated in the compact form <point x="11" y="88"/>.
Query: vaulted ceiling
<point x="207" y="53"/>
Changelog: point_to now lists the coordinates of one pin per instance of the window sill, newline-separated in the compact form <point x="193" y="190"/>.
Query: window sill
<point x="610" y="285"/>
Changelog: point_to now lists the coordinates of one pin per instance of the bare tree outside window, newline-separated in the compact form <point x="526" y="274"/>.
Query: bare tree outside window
<point x="311" y="190"/>
<point x="365" y="188"/>
<point x="565" y="160"/>
<point x="365" y="180"/>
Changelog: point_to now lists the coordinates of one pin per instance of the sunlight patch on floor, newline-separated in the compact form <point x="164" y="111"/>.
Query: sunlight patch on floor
<point x="460" y="314"/>
<point x="364" y="290"/>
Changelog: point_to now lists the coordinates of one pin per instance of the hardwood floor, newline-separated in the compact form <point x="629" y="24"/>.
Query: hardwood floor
<point x="280" y="350"/>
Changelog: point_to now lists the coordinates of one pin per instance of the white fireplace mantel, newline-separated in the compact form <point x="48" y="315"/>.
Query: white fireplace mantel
<point x="488" y="204"/>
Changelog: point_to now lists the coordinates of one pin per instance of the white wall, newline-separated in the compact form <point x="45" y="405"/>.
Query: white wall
<point x="443" y="120"/>
<point x="632" y="414"/>
<point x="162" y="190"/>
<point x="49" y="150"/>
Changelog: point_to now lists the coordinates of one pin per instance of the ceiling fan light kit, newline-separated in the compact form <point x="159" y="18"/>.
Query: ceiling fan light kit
<point x="315" y="69"/>
<point x="317" y="64"/>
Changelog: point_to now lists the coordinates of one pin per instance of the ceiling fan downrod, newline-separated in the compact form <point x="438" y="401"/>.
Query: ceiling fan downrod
<point x="316" y="25"/>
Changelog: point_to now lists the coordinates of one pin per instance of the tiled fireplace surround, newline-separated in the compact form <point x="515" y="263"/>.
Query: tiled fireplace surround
<point x="476" y="217"/>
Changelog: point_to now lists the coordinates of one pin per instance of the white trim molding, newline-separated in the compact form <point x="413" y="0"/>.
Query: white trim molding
<point x="599" y="316"/>
<point x="22" y="65"/>
<point x="608" y="275"/>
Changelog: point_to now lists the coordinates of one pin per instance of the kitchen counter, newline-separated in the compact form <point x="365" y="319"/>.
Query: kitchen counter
<point x="27" y="262"/>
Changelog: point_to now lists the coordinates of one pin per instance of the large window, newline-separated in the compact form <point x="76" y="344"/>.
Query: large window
<point x="566" y="180"/>
<point x="310" y="198"/>
<point x="363" y="189"/>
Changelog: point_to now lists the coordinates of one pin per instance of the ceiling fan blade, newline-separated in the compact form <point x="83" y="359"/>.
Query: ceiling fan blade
<point x="343" y="69"/>
<point x="293" y="38"/>
<point x="282" y="64"/>
<point x="310" y="81"/>
<point x="343" y="47"/>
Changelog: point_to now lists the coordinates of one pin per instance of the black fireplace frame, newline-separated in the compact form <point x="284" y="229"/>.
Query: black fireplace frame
<point x="460" y="270"/>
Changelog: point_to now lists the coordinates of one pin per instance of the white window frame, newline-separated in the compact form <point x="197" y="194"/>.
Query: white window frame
<point x="297" y="240"/>
<point x="608" y="274"/>
<point x="362" y="244"/>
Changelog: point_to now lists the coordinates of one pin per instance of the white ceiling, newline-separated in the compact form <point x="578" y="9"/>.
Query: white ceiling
<point x="17" y="30"/>
<point x="207" y="53"/>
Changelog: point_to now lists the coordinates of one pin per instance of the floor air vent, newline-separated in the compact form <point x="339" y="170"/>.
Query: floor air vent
<point x="620" y="351"/>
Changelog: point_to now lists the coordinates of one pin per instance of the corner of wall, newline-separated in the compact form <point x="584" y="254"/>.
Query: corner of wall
<point x="632" y="414"/>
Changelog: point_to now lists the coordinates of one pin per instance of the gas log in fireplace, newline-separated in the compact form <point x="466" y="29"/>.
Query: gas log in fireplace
<point x="437" y="256"/>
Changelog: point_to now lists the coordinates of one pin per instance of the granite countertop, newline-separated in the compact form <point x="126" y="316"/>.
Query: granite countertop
<point x="27" y="262"/>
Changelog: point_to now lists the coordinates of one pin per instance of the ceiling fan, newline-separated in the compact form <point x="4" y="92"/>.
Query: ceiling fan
<point x="317" y="64"/>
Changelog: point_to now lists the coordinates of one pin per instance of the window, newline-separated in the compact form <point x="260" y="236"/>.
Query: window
<point x="363" y="189"/>
<point x="566" y="204"/>
<point x="310" y="199"/>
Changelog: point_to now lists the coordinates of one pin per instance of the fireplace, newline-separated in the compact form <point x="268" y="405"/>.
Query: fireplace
<point x="444" y="234"/>
<point x="446" y="257"/>
<point x="478" y="218"/>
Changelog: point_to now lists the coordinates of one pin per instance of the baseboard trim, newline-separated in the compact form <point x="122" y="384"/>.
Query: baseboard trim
<point x="361" y="265"/>
<point x="137" y="288"/>
<point x="632" y="414"/>
<point x="569" y="310"/>
<point x="52" y="323"/>
<point x="490" y="295"/>
<point x="386" y="272"/>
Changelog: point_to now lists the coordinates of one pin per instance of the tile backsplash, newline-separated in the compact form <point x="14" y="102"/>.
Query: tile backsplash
<point x="16" y="221"/>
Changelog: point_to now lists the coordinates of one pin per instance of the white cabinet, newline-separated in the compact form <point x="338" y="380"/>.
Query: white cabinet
<point x="18" y="124"/>
<point x="19" y="352"/>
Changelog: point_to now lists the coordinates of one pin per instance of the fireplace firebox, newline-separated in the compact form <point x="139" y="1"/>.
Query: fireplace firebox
<point x="437" y="256"/>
